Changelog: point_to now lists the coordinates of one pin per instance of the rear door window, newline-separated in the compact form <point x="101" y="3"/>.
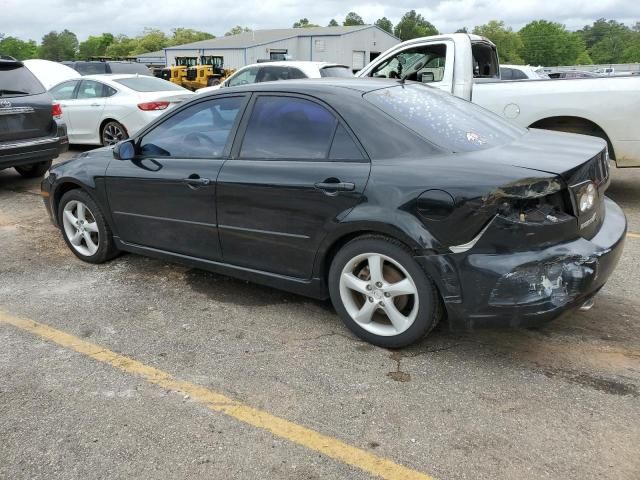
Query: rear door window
<point x="64" y="91"/>
<point x="295" y="74"/>
<point x="282" y="127"/>
<point x="90" y="89"/>
<point x="17" y="80"/>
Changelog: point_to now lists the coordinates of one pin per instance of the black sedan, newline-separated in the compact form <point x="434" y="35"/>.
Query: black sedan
<point x="401" y="203"/>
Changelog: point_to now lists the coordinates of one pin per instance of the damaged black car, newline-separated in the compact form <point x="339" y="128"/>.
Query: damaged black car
<point x="403" y="204"/>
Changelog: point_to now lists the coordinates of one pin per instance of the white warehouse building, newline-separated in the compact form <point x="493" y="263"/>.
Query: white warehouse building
<point x="352" y="46"/>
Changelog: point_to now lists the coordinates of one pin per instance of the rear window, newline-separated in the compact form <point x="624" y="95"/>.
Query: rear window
<point x="148" y="84"/>
<point x="337" y="71"/>
<point x="16" y="80"/>
<point x="444" y="120"/>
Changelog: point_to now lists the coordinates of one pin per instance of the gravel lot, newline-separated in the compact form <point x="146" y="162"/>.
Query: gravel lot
<point x="562" y="402"/>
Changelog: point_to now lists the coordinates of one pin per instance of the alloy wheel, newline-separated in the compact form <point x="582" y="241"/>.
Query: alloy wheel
<point x="379" y="294"/>
<point x="80" y="228"/>
<point x="113" y="133"/>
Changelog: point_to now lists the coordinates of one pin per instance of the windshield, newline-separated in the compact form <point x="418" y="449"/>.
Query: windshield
<point x="148" y="84"/>
<point x="16" y="80"/>
<point x="336" y="71"/>
<point x="442" y="119"/>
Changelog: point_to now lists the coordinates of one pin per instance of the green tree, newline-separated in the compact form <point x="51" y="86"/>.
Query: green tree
<point x="122" y="46"/>
<point x="95" y="46"/>
<point x="18" y="49"/>
<point x="462" y="30"/>
<point x="59" y="46"/>
<point x="413" y="25"/>
<point x="351" y="19"/>
<point x="333" y="23"/>
<point x="631" y="54"/>
<point x="550" y="44"/>
<point x="601" y="29"/>
<point x="507" y="41"/>
<point x="584" y="59"/>
<point x="236" y="30"/>
<point x="152" y="39"/>
<point x="304" y="23"/>
<point x="181" y="36"/>
<point x="385" y="24"/>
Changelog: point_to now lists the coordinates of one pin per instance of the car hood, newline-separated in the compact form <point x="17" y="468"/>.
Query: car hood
<point x="557" y="153"/>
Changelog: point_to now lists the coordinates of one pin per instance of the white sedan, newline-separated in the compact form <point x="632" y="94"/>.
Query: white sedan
<point x="104" y="109"/>
<point x="287" y="70"/>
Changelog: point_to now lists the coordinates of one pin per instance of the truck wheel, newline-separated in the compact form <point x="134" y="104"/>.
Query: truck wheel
<point x="34" y="170"/>
<point x="381" y="293"/>
<point x="212" y="82"/>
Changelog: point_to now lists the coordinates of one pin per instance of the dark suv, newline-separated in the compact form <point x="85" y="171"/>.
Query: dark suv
<point x="32" y="132"/>
<point x="92" y="67"/>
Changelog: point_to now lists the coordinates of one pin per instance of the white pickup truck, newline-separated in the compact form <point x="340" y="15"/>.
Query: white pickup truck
<point x="467" y="66"/>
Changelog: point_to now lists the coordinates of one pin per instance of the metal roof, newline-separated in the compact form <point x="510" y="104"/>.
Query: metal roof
<point x="159" y="53"/>
<point x="259" y="37"/>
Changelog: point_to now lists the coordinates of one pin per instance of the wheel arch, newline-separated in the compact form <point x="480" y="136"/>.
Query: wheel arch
<point x="67" y="185"/>
<point x="574" y="124"/>
<point x="107" y="120"/>
<point x="333" y="243"/>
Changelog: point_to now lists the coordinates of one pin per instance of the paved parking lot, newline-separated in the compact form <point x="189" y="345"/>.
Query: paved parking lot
<point x="143" y="369"/>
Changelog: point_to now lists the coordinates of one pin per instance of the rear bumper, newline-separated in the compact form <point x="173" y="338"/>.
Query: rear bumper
<point x="527" y="288"/>
<point x="33" y="150"/>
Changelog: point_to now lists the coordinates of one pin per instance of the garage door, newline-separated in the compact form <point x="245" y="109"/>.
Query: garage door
<point x="358" y="59"/>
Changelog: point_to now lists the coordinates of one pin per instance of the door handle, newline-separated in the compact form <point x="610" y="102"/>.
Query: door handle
<point x="95" y="105"/>
<point x="196" y="181"/>
<point x="335" y="186"/>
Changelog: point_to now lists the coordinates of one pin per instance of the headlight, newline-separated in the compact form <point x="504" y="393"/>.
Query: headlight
<point x="587" y="197"/>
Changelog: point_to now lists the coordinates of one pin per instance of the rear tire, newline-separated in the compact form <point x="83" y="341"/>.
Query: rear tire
<point x="381" y="293"/>
<point x="34" y="170"/>
<point x="84" y="228"/>
<point x="213" y="82"/>
<point x="112" y="132"/>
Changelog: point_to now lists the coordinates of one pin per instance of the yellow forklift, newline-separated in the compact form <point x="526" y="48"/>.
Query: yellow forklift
<point x="177" y="72"/>
<point x="208" y="72"/>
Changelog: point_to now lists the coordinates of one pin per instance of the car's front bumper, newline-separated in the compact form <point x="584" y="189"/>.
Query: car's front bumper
<point x="527" y="288"/>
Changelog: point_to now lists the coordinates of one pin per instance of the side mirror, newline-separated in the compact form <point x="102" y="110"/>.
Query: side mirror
<point x="125" y="150"/>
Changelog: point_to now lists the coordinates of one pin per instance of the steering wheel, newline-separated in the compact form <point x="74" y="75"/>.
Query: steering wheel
<point x="198" y="137"/>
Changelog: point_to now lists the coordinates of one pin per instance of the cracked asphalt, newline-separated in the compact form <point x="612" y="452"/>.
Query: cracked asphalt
<point x="562" y="402"/>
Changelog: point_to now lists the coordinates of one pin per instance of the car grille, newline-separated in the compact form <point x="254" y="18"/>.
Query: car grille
<point x="192" y="74"/>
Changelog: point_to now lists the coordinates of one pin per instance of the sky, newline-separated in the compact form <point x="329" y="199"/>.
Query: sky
<point x="129" y="17"/>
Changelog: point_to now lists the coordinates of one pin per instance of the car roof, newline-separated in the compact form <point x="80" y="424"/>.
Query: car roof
<point x="313" y="85"/>
<point x="294" y="63"/>
<point x="111" y="76"/>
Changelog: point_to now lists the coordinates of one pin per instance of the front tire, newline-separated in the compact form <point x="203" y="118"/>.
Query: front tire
<point x="84" y="228"/>
<point x="112" y="132"/>
<point x="381" y="293"/>
<point x="213" y="82"/>
<point x="34" y="170"/>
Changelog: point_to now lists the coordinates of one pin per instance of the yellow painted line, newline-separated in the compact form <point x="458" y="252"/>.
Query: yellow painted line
<point x="633" y="235"/>
<point x="218" y="402"/>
